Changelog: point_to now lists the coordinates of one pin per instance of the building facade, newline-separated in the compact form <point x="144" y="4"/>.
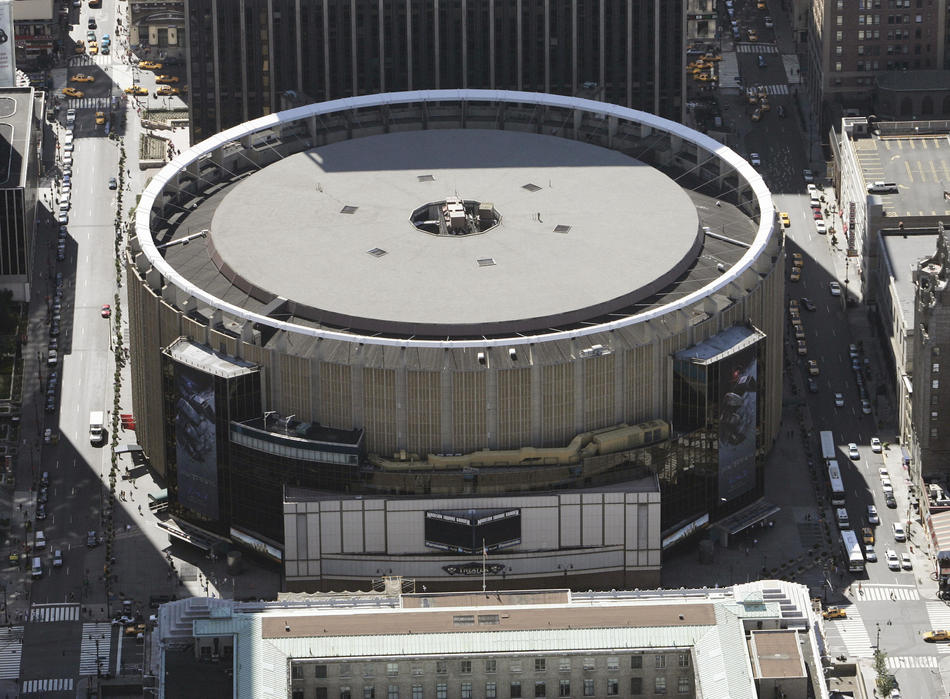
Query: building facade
<point x="386" y="355"/>
<point x="246" y="57"/>
<point x="159" y="26"/>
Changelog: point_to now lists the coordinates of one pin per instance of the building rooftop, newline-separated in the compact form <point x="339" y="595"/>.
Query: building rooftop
<point x="776" y="654"/>
<point x="904" y="249"/>
<point x="206" y="359"/>
<point x="16" y="118"/>
<point x="919" y="164"/>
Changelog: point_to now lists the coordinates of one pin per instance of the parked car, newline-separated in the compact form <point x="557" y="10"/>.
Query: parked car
<point x="900" y="534"/>
<point x="839" y="400"/>
<point x="875" y="445"/>
<point x="853" y="451"/>
<point x="893" y="562"/>
<point x="834" y="288"/>
<point x="873" y="517"/>
<point x="834" y="613"/>
<point x="869" y="553"/>
<point x="906" y="563"/>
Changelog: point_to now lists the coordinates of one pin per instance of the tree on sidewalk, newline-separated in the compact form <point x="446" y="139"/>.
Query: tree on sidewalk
<point x="885" y="681"/>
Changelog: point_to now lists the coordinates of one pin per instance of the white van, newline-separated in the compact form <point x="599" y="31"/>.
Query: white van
<point x="842" y="517"/>
<point x="39" y="541"/>
<point x="37" y="569"/>
<point x="882" y="187"/>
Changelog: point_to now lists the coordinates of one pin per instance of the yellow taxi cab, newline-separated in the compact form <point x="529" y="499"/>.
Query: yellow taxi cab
<point x="764" y="105"/>
<point x="798" y="260"/>
<point x="72" y="92"/>
<point x="753" y="98"/>
<point x="757" y="114"/>
<point x="82" y="78"/>
<point x="796" y="275"/>
<point x="164" y="79"/>
<point x="868" y="535"/>
<point x="753" y="35"/>
<point x="802" y="347"/>
<point x="93" y="48"/>
<point x="80" y="47"/>
<point x="786" y="221"/>
<point x="100" y="118"/>
<point x="834" y="613"/>
<point x="705" y="78"/>
<point x="793" y="303"/>
<point x="166" y="90"/>
<point x="761" y="5"/>
<point x="150" y="65"/>
<point x="934" y="636"/>
<point x="136" y="90"/>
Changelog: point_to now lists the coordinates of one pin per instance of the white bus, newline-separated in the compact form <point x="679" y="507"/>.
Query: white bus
<point x="852" y="551"/>
<point x="837" y="485"/>
<point x="827" y="445"/>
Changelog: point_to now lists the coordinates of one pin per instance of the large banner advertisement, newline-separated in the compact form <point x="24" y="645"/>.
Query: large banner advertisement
<point x="196" y="441"/>
<point x="7" y="54"/>
<point x="738" y="392"/>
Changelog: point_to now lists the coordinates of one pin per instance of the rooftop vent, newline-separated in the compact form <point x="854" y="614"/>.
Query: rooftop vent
<point x="376" y="252"/>
<point x="349" y="209"/>
<point x="530" y="187"/>
<point x="560" y="228"/>
<point x="486" y="262"/>
<point x="426" y="178"/>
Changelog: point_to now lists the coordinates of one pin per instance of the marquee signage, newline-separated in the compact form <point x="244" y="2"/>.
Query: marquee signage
<point x="474" y="568"/>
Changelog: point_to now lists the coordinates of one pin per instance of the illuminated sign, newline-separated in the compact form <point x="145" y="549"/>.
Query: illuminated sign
<point x="474" y="569"/>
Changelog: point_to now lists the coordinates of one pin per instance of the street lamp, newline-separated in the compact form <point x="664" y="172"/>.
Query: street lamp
<point x="878" y="643"/>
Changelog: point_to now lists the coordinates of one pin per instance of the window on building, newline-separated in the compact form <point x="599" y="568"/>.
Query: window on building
<point x="659" y="662"/>
<point x="613" y="663"/>
<point x="442" y="690"/>
<point x="491" y="690"/>
<point x="838" y="66"/>
<point x="490" y="666"/>
<point x="392" y="692"/>
<point x="345" y="693"/>
<point x="589" y="664"/>
<point x="935" y="384"/>
<point x="392" y="669"/>
<point x="935" y="368"/>
<point x="839" y="50"/>
<point x="636" y="662"/>
<point x="540" y="688"/>
<point x="588" y="687"/>
<point x="659" y="685"/>
<point x="319" y="671"/>
<point x="613" y="687"/>
<point x="296" y="672"/>
<point x="418" y="671"/>
<point x="684" y="660"/>
<point x="636" y="686"/>
<point x="933" y="432"/>
<point x="839" y="35"/>
<point x="417" y="691"/>
<point x="564" y="665"/>
<point x="515" y="666"/>
<point x="465" y="667"/>
<point x="840" y="4"/>
<point x="298" y="693"/>
<point x="344" y="669"/>
<point x="540" y="664"/>
<point x="369" y="692"/>
<point x="466" y="690"/>
<point x="441" y="667"/>
<point x="369" y="670"/>
<point x="564" y="688"/>
<point x="514" y="689"/>
<point x="839" y="20"/>
<point x="682" y="685"/>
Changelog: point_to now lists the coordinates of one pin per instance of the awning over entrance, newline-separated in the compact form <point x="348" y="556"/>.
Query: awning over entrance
<point x="127" y="448"/>
<point x="746" y="517"/>
<point x="940" y="523"/>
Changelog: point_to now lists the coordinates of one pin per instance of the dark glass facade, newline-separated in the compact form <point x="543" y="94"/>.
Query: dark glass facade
<point x="244" y="56"/>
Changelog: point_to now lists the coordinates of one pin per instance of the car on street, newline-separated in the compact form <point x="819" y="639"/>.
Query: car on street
<point x="813" y="367"/>
<point x="754" y="157"/>
<point x="808" y="304"/>
<point x="48" y="435"/>
<point x="900" y="534"/>
<point x="886" y="486"/>
<point x="906" y="563"/>
<point x="875" y="445"/>
<point x="100" y="118"/>
<point x="834" y="613"/>
<point x="72" y="92"/>
<point x="839" y="400"/>
<point x="798" y="260"/>
<point x="769" y="24"/>
<point x="869" y="553"/>
<point x="786" y="221"/>
<point x="753" y="35"/>
<point x="91" y="540"/>
<point x="58" y="558"/>
<point x="166" y="79"/>
<point x="762" y="62"/>
<point x="802" y="347"/>
<point x="50" y="404"/>
<point x="865" y="406"/>
<point x="834" y="288"/>
<point x="780" y="111"/>
<point x="808" y="175"/>
<point x="883" y="473"/>
<point x="166" y="90"/>
<point x="63" y="218"/>
<point x="82" y="78"/>
<point x="105" y="311"/>
<point x="873" y="517"/>
<point x="853" y="351"/>
<point x="136" y="90"/>
<point x="795" y="275"/>
<point x="890" y="500"/>
<point x="853" y="451"/>
<point x="934" y="636"/>
<point x="93" y="48"/>
<point x="812" y="385"/>
<point x="893" y="562"/>
<point x="867" y="534"/>
<point x="112" y="183"/>
<point x="820" y="227"/>
<point x="41" y="512"/>
<point x="150" y="65"/>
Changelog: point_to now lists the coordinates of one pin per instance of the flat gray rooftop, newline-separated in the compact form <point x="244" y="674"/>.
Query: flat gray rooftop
<point x="903" y="253"/>
<point x="16" y="113"/>
<point x="632" y="232"/>
<point x="919" y="165"/>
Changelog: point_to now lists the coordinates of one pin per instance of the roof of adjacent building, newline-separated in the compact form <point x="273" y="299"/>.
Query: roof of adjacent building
<point x="904" y="249"/>
<point x="708" y="623"/>
<point x="776" y="653"/>
<point x="16" y="120"/>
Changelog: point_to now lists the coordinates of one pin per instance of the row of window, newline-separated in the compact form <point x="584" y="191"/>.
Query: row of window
<point x="589" y="688"/>
<point x="465" y="667"/>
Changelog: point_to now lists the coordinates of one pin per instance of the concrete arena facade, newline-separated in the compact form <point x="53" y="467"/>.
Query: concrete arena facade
<point x="415" y="390"/>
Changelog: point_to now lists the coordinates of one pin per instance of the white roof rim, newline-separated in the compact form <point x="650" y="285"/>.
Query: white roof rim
<point x="185" y="158"/>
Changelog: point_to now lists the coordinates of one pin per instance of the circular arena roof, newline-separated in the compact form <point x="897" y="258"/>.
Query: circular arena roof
<point x="578" y="236"/>
<point x="330" y="229"/>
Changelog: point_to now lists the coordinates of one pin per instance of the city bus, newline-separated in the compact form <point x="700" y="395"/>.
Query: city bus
<point x="837" y="485"/>
<point x="827" y="445"/>
<point x="852" y="551"/>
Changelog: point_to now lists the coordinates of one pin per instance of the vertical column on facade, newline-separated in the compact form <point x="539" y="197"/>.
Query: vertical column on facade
<point x="491" y="408"/>
<point x="380" y="13"/>
<point x="298" y="39"/>
<point x="612" y="125"/>
<point x="464" y="46"/>
<point x="520" y="50"/>
<point x="244" y="44"/>
<point x="447" y="399"/>
<point x="402" y="398"/>
<point x="326" y="49"/>
<point x="215" y="58"/>
<point x="271" y="82"/>
<point x="547" y="46"/>
<point x="491" y="44"/>
<point x="537" y="433"/>
<point x="316" y="381"/>
<point x="618" y="345"/>
<point x="574" y="47"/>
<point x="629" y="53"/>
<point x="357" y="362"/>
<point x="579" y="389"/>
<point x="436" y="44"/>
<point x="409" y="45"/>
<point x="602" y="62"/>
<point x="656" y="56"/>
<point x="354" y="89"/>
<point x="578" y="121"/>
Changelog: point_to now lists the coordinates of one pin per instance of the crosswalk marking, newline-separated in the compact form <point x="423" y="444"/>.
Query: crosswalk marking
<point x="88" y="656"/>
<point x="939" y="615"/>
<point x="756" y="48"/>
<point x="881" y="593"/>
<point x="11" y="650"/>
<point x="900" y="662"/>
<point x="97" y="103"/>
<point x="853" y="633"/>
<point x="41" y="613"/>
<point x="57" y="685"/>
